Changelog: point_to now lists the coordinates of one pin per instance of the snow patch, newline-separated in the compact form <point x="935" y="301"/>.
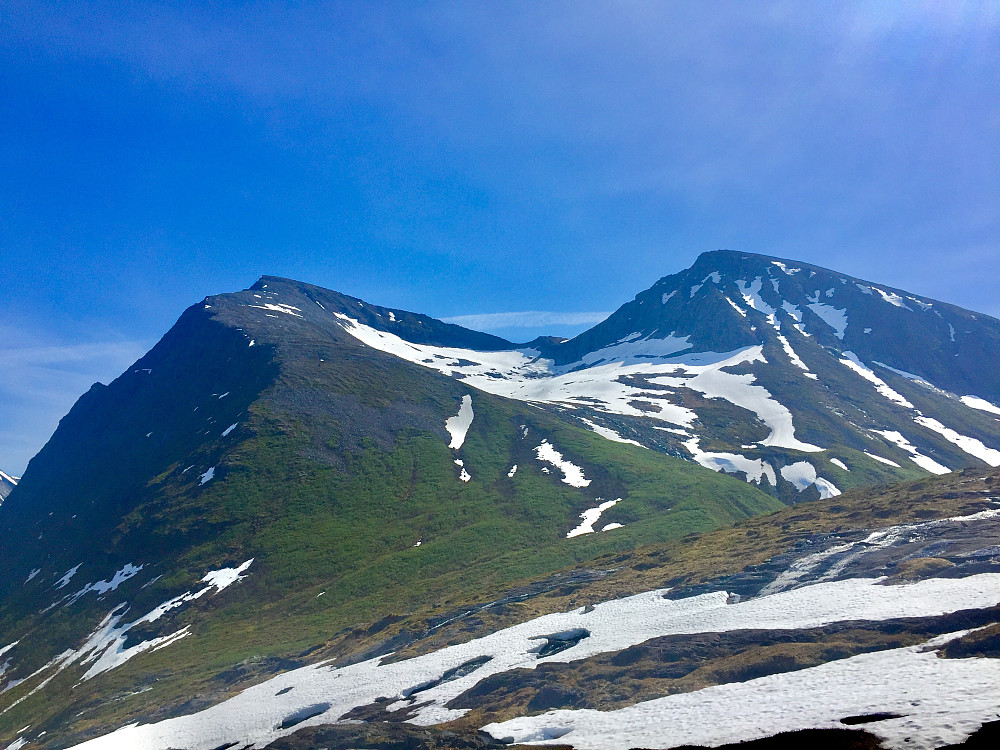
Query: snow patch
<point x="785" y="268"/>
<point x="968" y="444"/>
<point x="206" y="477"/>
<point x="280" y="307"/>
<point x="850" y="359"/>
<point x="666" y="296"/>
<point x="458" y="426"/>
<point x="102" y="587"/>
<point x="736" y="307"/>
<point x="888" y="462"/>
<point x="794" y="358"/>
<point x="924" y="462"/>
<point x="61" y="583"/>
<point x="802" y="474"/>
<point x="751" y="295"/>
<point x="464" y="474"/>
<point x="572" y="474"/>
<point x="832" y="316"/>
<point x="607" y="432"/>
<point x="974" y="402"/>
<point x="838" y="462"/>
<point x="892" y="298"/>
<point x="590" y="517"/>
<point x="732" y="463"/>
<point x="229" y="429"/>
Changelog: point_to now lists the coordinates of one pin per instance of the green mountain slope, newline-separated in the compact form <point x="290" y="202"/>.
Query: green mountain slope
<point x="337" y="466"/>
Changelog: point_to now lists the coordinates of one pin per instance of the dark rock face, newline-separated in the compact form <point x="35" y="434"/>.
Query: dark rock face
<point x="384" y="736"/>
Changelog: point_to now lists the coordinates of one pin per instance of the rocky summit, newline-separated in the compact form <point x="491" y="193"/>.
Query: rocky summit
<point x="759" y="502"/>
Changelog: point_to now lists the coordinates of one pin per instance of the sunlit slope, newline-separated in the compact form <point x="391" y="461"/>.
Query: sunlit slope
<point x="318" y="471"/>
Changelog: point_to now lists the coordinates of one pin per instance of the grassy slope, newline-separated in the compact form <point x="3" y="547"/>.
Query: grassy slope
<point x="344" y="523"/>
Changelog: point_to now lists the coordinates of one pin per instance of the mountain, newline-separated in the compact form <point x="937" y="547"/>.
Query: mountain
<point x="801" y="380"/>
<point x="7" y="483"/>
<point x="294" y="477"/>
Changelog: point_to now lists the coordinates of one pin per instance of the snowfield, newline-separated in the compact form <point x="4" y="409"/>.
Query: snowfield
<point x="603" y="382"/>
<point x="940" y="701"/>
<point x="254" y="716"/>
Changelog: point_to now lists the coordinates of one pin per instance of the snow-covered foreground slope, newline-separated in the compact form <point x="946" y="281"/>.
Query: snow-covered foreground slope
<point x="324" y="693"/>
<point x="937" y="702"/>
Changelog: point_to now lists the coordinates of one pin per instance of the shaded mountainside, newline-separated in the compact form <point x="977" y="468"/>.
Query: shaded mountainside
<point x="293" y="476"/>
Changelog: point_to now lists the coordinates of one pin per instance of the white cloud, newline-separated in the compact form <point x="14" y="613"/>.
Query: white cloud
<point x="526" y="319"/>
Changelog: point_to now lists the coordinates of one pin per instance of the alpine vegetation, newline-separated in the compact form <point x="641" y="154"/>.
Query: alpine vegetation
<point x="760" y="498"/>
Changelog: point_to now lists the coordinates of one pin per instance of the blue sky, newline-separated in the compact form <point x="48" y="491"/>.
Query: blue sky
<point x="468" y="159"/>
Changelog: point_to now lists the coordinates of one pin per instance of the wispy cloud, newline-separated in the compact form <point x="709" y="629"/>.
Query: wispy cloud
<point x="526" y="319"/>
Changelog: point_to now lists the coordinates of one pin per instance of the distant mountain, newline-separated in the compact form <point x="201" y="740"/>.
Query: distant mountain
<point x="802" y="380"/>
<point x="7" y="483"/>
<point x="294" y="476"/>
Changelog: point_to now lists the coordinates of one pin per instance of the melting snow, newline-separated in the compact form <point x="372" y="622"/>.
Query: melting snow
<point x="513" y="470"/>
<point x="34" y="572"/>
<point x="838" y="462"/>
<point x="102" y="587"/>
<point x="714" y="277"/>
<point x="666" y="296"/>
<point x="968" y="444"/>
<point x="802" y="474"/>
<point x="229" y="429"/>
<point x="940" y="701"/>
<point x="796" y="315"/>
<point x="464" y="474"/>
<point x="924" y="462"/>
<point x="255" y="715"/>
<point x="795" y="359"/>
<point x="607" y="432"/>
<point x="883" y="460"/>
<point x="590" y="517"/>
<point x="67" y="576"/>
<point x="751" y="295"/>
<point x="732" y="463"/>
<point x="572" y="474"/>
<point x="712" y="382"/>
<point x="736" y="307"/>
<point x="975" y="402"/>
<point x="525" y="376"/>
<point x="458" y="426"/>
<point x="902" y="373"/>
<point x="832" y="316"/>
<point x="280" y="307"/>
<point x="632" y="349"/>
<point x="785" y="268"/>
<point x="208" y="476"/>
<point x="105" y="647"/>
<point x="892" y="298"/>
<point x="851" y="360"/>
